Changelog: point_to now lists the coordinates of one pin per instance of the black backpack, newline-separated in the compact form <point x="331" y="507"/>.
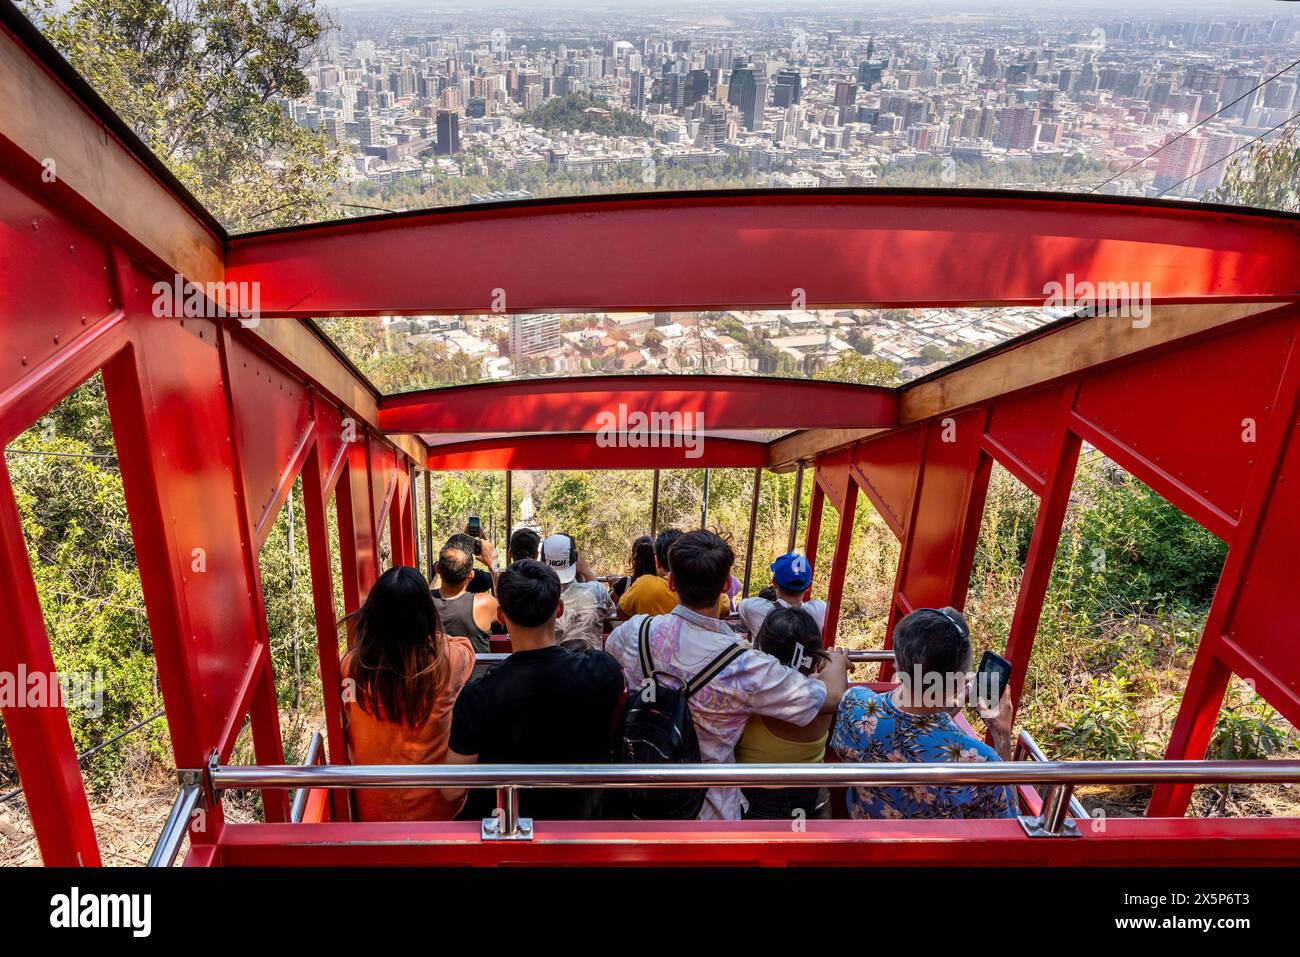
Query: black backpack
<point x="660" y="731"/>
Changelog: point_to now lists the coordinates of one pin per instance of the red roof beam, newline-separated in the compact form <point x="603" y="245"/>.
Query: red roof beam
<point x="768" y="250"/>
<point x="653" y="404"/>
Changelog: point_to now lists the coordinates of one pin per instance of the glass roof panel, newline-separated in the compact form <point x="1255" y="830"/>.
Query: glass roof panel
<point x="298" y="113"/>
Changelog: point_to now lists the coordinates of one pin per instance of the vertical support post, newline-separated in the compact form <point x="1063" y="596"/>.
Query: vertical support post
<point x="264" y="709"/>
<point x="1038" y="565"/>
<point x="704" y="504"/>
<point x="794" y="508"/>
<point x="839" y="564"/>
<point x="1265" y="496"/>
<point x="814" y="522"/>
<point x="753" y="523"/>
<point x="41" y="738"/>
<point x="654" y="507"/>
<point x="509" y="511"/>
<point x="327" y="632"/>
<point x="428" y="521"/>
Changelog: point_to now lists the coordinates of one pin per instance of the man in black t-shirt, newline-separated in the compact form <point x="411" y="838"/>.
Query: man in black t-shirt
<point x="542" y="705"/>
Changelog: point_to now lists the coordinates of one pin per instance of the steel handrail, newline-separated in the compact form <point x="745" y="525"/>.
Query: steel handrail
<point x="1025" y="743"/>
<point x="300" y="796"/>
<point x="226" y="777"/>
<point x="855" y="657"/>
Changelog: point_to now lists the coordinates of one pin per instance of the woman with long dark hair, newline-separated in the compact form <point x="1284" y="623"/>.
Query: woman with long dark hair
<point x="643" y="563"/>
<point x="400" y="681"/>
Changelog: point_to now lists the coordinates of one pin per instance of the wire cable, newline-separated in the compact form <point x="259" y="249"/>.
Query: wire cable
<point x="1243" y="146"/>
<point x="1194" y="126"/>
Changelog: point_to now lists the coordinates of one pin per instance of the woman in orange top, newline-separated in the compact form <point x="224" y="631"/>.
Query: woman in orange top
<point x="401" y="679"/>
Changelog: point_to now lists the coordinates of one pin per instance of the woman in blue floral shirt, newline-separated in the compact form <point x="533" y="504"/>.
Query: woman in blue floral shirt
<point x="914" y="723"/>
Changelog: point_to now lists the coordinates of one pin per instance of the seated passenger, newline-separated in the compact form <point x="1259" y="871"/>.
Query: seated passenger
<point x="652" y="594"/>
<point x="542" y="705"/>
<point x="524" y="544"/>
<point x="791" y="637"/>
<point x="402" y="678"/>
<point x="480" y="579"/>
<point x="464" y="613"/>
<point x="791" y="579"/>
<point x="586" y="604"/>
<point x="683" y="642"/>
<point x="643" y="563"/>
<point x="913" y="723"/>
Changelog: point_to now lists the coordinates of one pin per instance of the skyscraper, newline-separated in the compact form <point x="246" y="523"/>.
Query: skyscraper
<point x="448" y="141"/>
<point x="531" y="334"/>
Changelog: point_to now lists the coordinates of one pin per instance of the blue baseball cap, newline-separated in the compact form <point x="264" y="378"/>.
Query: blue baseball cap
<point x="792" y="572"/>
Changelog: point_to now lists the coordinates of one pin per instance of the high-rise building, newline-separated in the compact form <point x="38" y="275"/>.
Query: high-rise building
<point x="531" y="334"/>
<point x="792" y="79"/>
<point x="1017" y="128"/>
<point x="1178" y="160"/>
<point x="748" y="91"/>
<point x="448" y="141"/>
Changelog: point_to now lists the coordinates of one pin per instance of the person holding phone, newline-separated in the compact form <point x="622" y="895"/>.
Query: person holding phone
<point x="914" y="723"/>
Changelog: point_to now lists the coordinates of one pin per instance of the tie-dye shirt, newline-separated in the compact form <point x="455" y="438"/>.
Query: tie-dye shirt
<point x="870" y="728"/>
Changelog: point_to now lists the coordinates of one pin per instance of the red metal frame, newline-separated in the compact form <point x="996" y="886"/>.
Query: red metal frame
<point x="759" y="249"/>
<point x="215" y="422"/>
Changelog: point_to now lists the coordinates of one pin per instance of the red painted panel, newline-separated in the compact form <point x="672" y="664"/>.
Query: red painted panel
<point x="56" y="283"/>
<point x="1024" y="437"/>
<point x="1180" y="413"/>
<point x="383" y="479"/>
<point x="592" y="403"/>
<point x="329" y="436"/>
<point x="1264" y="625"/>
<point x="580" y="451"/>
<point x="832" y="474"/>
<point x="943" y="247"/>
<point x="930" y="576"/>
<point x="885" y="467"/>
<point x="182" y="464"/>
<point x="272" y="420"/>
<point x="1125" y="841"/>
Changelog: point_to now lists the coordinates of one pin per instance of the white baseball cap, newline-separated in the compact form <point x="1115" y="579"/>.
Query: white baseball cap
<point x="561" y="556"/>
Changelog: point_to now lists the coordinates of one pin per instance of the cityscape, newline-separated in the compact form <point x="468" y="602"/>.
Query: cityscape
<point x="432" y="107"/>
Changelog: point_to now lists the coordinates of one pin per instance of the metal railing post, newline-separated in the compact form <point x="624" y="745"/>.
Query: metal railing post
<point x="794" y="511"/>
<point x="178" y="821"/>
<point x="1055" y="819"/>
<point x="506" y="824"/>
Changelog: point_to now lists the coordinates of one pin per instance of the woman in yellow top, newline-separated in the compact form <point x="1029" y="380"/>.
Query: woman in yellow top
<point x="791" y="636"/>
<point x="648" y="593"/>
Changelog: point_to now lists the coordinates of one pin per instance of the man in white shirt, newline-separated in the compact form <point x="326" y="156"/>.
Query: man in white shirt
<point x="791" y="577"/>
<point x="684" y="641"/>
<point x="587" y="604"/>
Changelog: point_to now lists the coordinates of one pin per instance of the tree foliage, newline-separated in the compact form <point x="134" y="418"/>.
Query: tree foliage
<point x="200" y="81"/>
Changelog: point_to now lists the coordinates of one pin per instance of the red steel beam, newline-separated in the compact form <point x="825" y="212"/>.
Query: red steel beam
<point x="765" y="249"/>
<point x="580" y="451"/>
<point x="1123" y="841"/>
<point x="591" y="403"/>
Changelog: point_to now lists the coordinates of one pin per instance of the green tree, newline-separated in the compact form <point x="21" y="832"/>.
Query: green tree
<point x="200" y="81"/>
<point x="1267" y="175"/>
<point x="863" y="370"/>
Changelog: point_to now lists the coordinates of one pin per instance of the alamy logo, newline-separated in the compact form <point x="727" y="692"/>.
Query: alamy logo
<point x="1126" y="300"/>
<point x="182" y="299"/>
<point x="75" y="910"/>
<point x="651" y="430"/>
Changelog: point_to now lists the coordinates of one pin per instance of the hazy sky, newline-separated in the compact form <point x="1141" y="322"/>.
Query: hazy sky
<point x="1184" y="8"/>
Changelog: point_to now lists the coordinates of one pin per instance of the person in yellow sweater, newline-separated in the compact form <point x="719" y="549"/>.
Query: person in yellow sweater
<point x="650" y="594"/>
<point x="792" y="637"/>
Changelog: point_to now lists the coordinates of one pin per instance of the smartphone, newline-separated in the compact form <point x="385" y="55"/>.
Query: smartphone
<point x="474" y="529"/>
<point x="992" y="678"/>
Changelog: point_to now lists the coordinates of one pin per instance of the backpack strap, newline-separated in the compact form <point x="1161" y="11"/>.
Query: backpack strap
<point x="643" y="645"/>
<point x="714" y="668"/>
